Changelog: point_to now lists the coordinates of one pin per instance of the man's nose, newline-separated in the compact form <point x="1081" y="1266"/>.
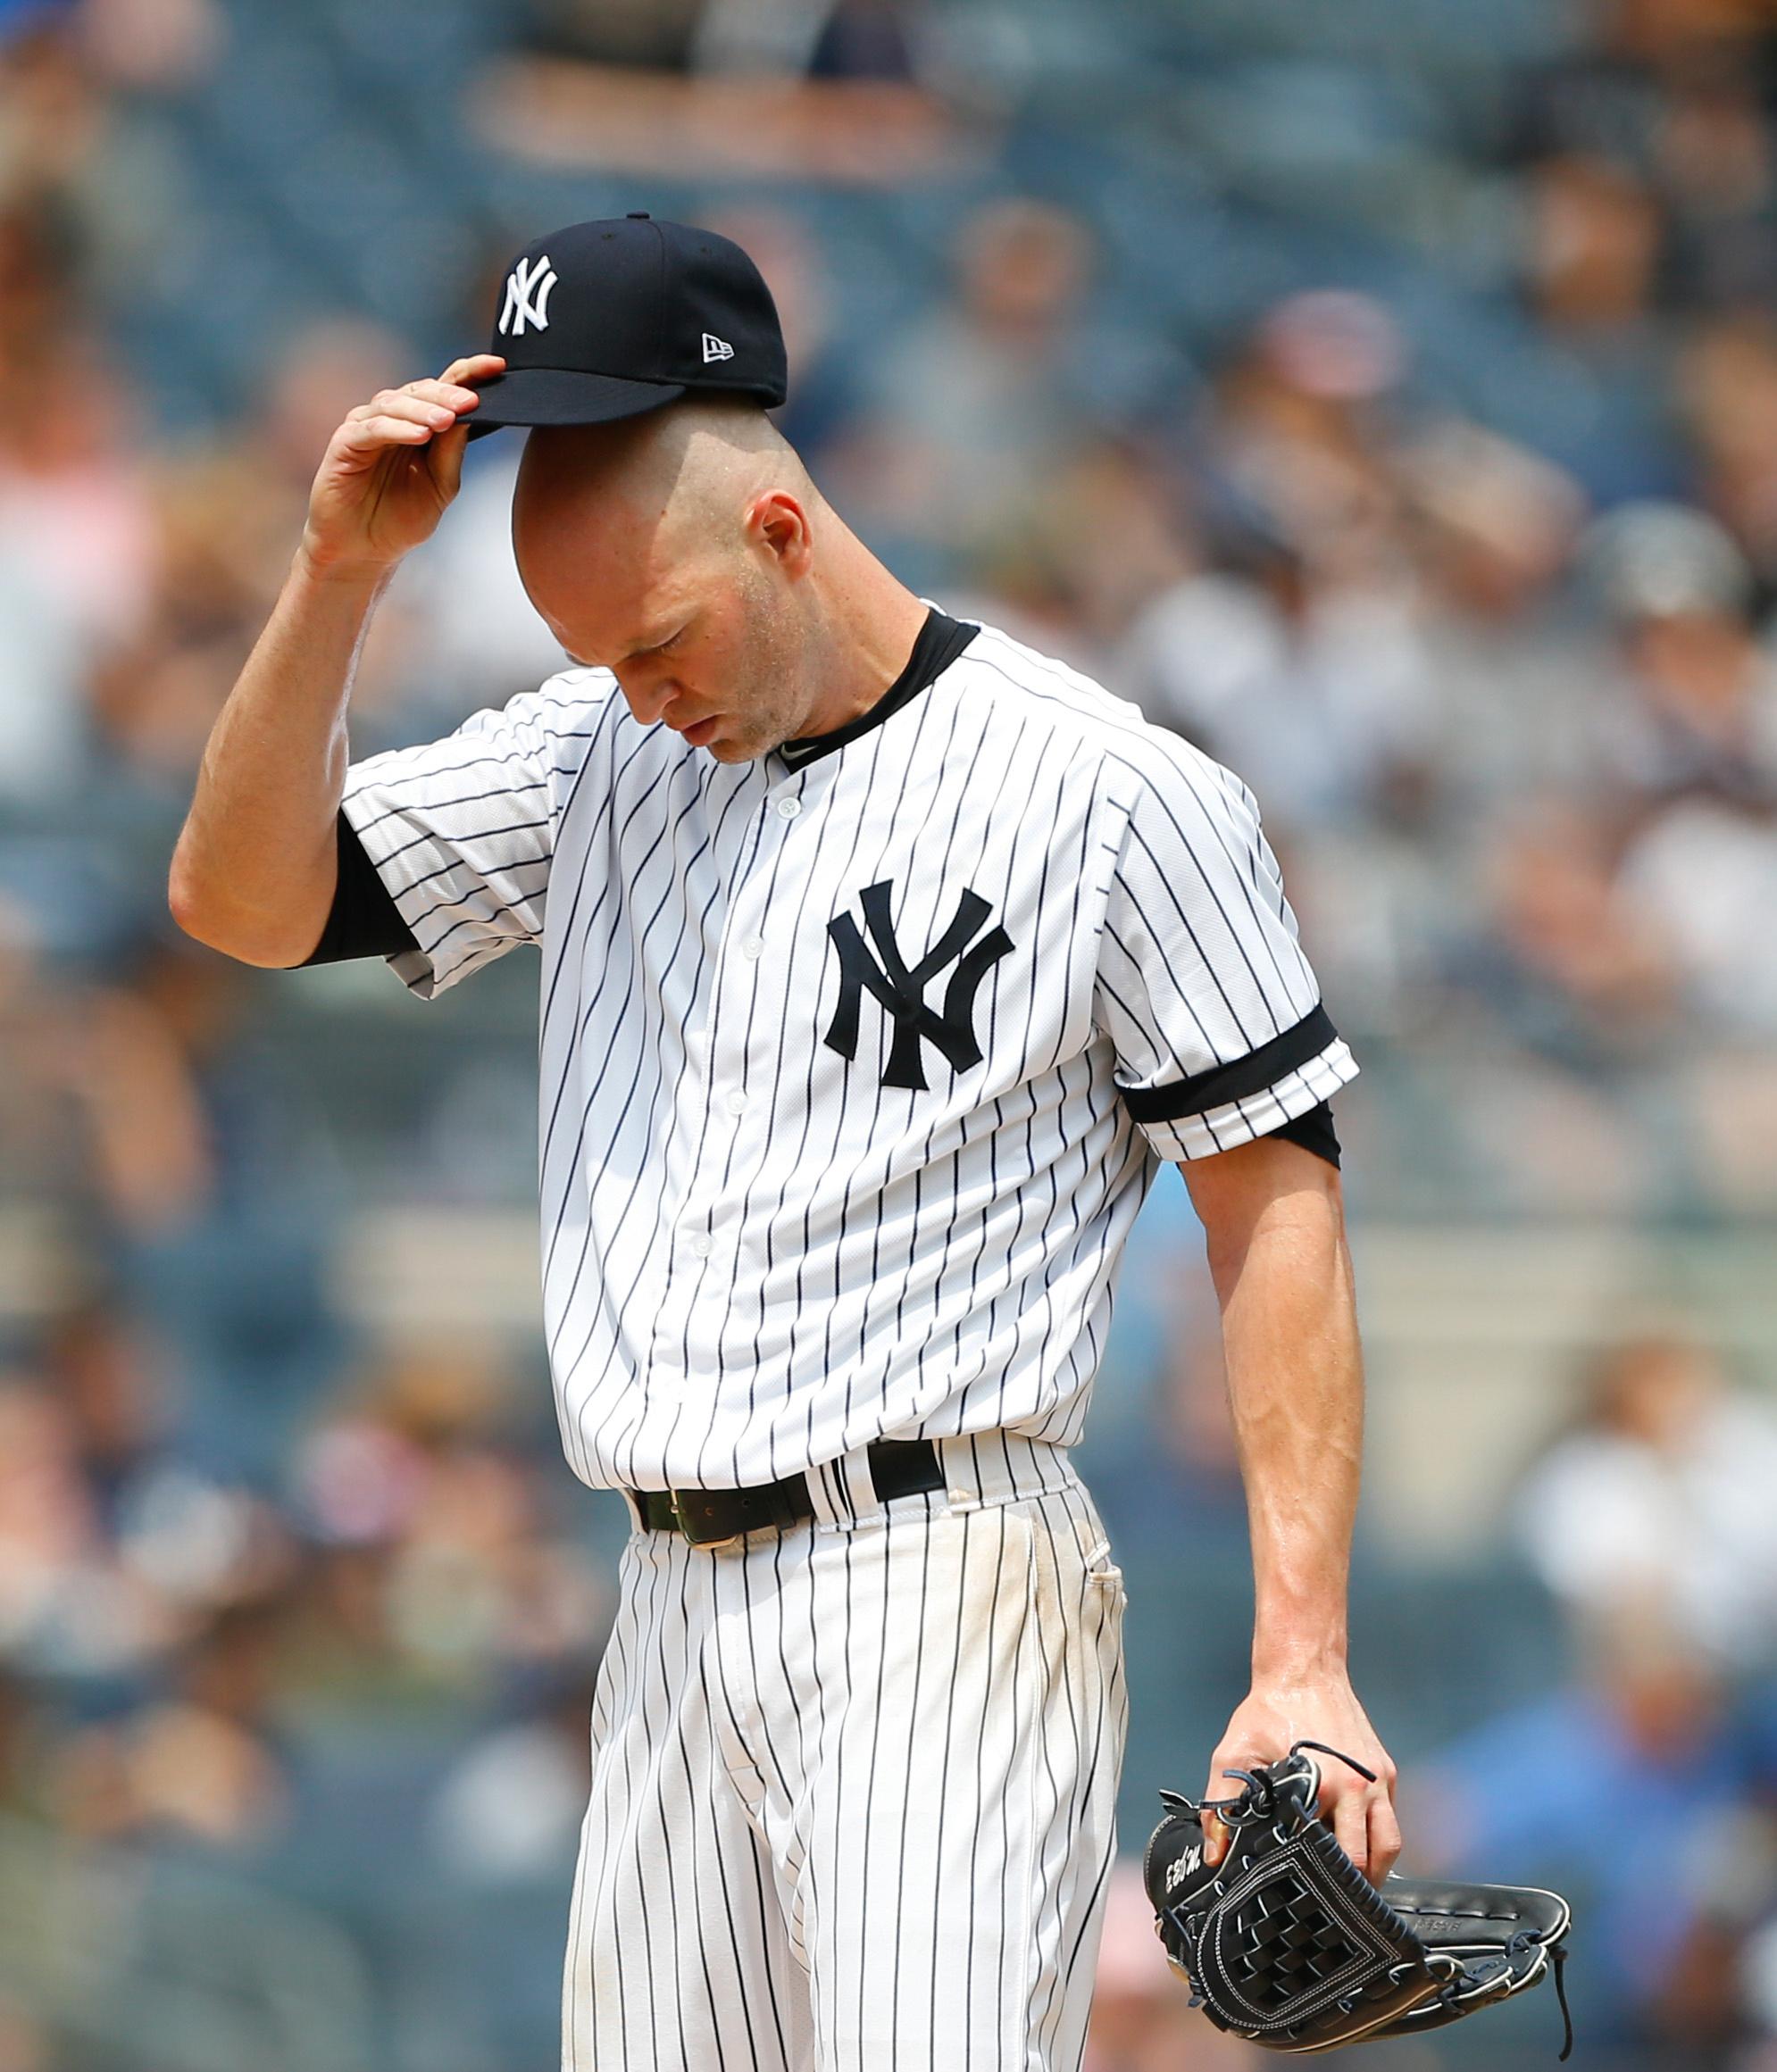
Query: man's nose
<point x="649" y="699"/>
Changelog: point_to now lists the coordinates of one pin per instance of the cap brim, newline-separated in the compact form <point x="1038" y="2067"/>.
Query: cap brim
<point x="541" y="396"/>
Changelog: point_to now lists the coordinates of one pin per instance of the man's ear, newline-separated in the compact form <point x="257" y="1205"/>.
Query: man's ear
<point x="780" y="525"/>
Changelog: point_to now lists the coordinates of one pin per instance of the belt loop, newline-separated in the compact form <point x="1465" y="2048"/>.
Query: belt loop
<point x="961" y="1471"/>
<point x="843" y="1491"/>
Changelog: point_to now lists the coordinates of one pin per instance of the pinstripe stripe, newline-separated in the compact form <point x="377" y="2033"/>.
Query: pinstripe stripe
<point x="938" y="1841"/>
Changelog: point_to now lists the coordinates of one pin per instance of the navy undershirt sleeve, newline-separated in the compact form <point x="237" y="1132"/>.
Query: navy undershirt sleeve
<point x="363" y="920"/>
<point x="1314" y="1132"/>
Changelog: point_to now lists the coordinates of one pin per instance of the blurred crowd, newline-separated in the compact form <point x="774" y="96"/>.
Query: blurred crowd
<point x="1472" y="579"/>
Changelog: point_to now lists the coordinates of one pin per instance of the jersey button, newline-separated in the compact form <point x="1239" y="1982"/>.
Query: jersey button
<point x="734" y="1102"/>
<point x="789" y="808"/>
<point x="753" y="946"/>
<point x="701" y="1245"/>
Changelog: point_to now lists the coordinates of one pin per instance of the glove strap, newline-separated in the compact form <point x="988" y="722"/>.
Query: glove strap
<point x="1259" y="1795"/>
<point x="1558" y="1958"/>
<point x="1350" y="1763"/>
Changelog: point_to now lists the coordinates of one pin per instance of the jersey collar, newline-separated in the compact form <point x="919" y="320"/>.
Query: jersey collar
<point x="940" y="641"/>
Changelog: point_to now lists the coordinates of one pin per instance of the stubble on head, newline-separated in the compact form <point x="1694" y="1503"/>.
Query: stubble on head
<point x="622" y="531"/>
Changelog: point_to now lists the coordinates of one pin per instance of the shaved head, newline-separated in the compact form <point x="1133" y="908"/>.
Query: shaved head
<point x="675" y="549"/>
<point x="686" y="466"/>
<point x="688" y="552"/>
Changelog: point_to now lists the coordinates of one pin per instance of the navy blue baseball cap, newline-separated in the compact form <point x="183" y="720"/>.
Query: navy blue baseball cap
<point x="606" y="320"/>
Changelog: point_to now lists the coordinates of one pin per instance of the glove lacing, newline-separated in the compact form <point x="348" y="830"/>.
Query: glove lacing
<point x="1258" y="1802"/>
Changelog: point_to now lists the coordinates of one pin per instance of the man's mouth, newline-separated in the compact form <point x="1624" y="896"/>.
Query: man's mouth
<point x="699" y="734"/>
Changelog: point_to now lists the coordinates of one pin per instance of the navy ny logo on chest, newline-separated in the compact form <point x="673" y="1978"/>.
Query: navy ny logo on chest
<point x="878" y="967"/>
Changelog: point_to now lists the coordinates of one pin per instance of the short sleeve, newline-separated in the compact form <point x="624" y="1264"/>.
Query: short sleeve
<point x="461" y="831"/>
<point x="1202" y="987"/>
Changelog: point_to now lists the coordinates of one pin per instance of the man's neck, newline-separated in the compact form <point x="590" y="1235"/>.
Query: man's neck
<point x="866" y="622"/>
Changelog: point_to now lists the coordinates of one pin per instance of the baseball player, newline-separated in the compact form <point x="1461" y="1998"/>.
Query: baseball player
<point x="884" y="961"/>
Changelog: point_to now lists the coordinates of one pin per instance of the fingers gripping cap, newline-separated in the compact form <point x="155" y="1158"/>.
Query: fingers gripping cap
<point x="608" y="320"/>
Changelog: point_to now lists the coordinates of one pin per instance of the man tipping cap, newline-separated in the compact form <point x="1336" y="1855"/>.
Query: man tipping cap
<point x="606" y="320"/>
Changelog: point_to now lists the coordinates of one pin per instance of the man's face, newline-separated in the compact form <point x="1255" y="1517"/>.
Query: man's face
<point x="701" y="632"/>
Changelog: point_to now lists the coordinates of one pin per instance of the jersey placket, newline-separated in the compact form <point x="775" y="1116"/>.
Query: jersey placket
<point x="707" y="1230"/>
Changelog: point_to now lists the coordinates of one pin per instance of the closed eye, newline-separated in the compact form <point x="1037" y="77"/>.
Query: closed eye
<point x="659" y="646"/>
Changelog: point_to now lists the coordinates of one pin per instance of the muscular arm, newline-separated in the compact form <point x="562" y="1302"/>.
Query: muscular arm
<point x="253" y="874"/>
<point x="254" y="868"/>
<point x="1273" y="1217"/>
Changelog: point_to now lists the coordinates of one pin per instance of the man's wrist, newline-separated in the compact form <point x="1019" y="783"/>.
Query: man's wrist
<point x="1300" y="1657"/>
<point x="320" y="566"/>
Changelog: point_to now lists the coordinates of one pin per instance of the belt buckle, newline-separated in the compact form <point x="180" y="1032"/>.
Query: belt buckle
<point x="682" y="1520"/>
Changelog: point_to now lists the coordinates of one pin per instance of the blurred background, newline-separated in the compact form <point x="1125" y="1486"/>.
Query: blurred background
<point x="1383" y="395"/>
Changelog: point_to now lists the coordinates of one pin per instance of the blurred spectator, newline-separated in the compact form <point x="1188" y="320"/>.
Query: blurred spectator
<point x="510" y="1810"/>
<point x="826" y="39"/>
<point x="1294" y="438"/>
<point x="970" y="414"/>
<point x="231" y="519"/>
<point x="1075" y="565"/>
<point x="1610" y="1792"/>
<point x="824" y="381"/>
<point x="1726" y="390"/>
<point x="442" y="1551"/>
<point x="1307" y="673"/>
<point x="1494" y="528"/>
<point x="1713" y="164"/>
<point x="1593" y="243"/>
<point x="1697" y="708"/>
<point x="1316" y="698"/>
<point x="1720" y="946"/>
<point x="473" y="637"/>
<point x="844" y="39"/>
<point x="77" y="549"/>
<point x="150" y="45"/>
<point x="657" y="34"/>
<point x="1661" y="1496"/>
<point x="67" y="1607"/>
<point x="201" y="1766"/>
<point x="1567" y="961"/>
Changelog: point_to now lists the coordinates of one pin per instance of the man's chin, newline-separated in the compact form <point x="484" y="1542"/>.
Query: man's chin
<point x="738" y="747"/>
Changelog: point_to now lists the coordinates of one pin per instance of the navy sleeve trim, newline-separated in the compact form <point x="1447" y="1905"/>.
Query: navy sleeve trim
<point x="1253" y="1074"/>
<point x="1314" y="1132"/>
<point x="363" y="920"/>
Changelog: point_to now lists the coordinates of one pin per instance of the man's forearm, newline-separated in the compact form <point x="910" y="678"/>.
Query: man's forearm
<point x="253" y="871"/>
<point x="1273" y="1217"/>
<point x="1282" y="1273"/>
<point x="1296" y="1385"/>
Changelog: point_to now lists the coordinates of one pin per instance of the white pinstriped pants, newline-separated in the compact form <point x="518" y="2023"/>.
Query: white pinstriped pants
<point x="855" y="1784"/>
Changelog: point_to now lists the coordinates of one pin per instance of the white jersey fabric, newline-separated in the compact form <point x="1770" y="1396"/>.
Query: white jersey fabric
<point x="855" y="1066"/>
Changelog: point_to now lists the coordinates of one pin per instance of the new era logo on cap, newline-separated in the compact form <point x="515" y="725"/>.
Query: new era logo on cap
<point x="608" y="320"/>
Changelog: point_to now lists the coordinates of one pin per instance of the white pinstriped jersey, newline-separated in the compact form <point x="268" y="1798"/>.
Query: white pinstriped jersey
<point x="854" y="1073"/>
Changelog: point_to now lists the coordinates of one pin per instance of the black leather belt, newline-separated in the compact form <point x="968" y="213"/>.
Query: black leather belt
<point x="897" y="1467"/>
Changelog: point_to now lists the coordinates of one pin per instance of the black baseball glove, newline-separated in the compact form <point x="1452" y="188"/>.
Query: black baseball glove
<point x="1286" y="1942"/>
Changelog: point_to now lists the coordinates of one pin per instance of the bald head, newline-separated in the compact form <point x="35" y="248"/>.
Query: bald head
<point x="674" y="481"/>
<point x="688" y="552"/>
<point x="676" y="549"/>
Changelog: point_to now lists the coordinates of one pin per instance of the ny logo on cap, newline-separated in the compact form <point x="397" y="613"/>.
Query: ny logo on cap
<point x="528" y="286"/>
<point x="716" y="348"/>
<point x="901" y="988"/>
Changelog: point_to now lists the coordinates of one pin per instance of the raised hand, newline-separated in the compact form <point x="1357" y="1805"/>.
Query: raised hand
<point x="390" y="470"/>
